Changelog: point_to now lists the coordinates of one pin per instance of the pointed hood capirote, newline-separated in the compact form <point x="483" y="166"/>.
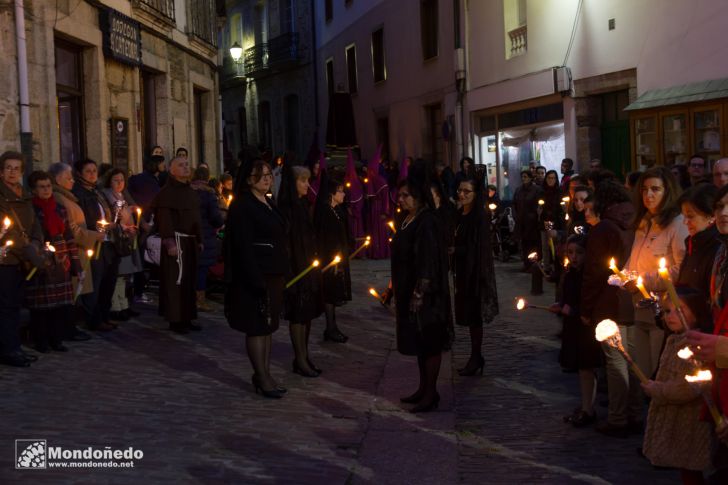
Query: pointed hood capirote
<point x="353" y="184"/>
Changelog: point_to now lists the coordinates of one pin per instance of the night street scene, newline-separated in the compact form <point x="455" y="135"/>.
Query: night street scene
<point x="363" y="242"/>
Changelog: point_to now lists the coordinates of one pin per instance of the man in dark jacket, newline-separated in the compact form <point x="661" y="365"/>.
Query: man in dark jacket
<point x="525" y="203"/>
<point x="144" y="186"/>
<point x="26" y="235"/>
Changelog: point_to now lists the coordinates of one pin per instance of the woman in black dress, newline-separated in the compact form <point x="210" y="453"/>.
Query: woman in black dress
<point x="476" y="297"/>
<point x="256" y="263"/>
<point x="302" y="301"/>
<point x="421" y="289"/>
<point x="332" y="235"/>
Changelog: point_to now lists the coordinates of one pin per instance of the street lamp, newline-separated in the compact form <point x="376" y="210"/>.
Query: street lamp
<point x="236" y="52"/>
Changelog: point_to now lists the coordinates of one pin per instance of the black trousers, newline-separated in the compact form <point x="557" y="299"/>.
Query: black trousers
<point x="12" y="285"/>
<point x="97" y="304"/>
<point x="48" y="326"/>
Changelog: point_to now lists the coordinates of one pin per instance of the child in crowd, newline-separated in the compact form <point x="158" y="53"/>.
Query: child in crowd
<point x="675" y="435"/>
<point x="579" y="348"/>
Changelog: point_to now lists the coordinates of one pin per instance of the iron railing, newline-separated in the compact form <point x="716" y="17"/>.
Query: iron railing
<point x="276" y="53"/>
<point x="163" y="8"/>
<point x="202" y="20"/>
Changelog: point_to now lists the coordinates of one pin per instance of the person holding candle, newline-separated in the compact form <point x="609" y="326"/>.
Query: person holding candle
<point x="476" y="295"/>
<point x="105" y="264"/>
<point x="675" y="435"/>
<point x="176" y="211"/>
<point x="303" y="301"/>
<point x="332" y="236"/>
<point x="659" y="232"/>
<point x="421" y="286"/>
<point x="50" y="294"/>
<point x="27" y="237"/>
<point x="703" y="241"/>
<point x="579" y="349"/>
<point x="256" y="263"/>
<point x="610" y="237"/>
<point x="576" y="206"/>
<point x="525" y="204"/>
<point x="84" y="238"/>
<point x="122" y="207"/>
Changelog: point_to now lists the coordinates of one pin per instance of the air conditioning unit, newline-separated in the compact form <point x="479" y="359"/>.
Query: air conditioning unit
<point x="562" y="79"/>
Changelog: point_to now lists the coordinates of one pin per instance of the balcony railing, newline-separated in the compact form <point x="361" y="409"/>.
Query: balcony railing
<point x="202" y="18"/>
<point x="231" y="71"/>
<point x="519" y="40"/>
<point x="278" y="53"/>
<point x="162" y="8"/>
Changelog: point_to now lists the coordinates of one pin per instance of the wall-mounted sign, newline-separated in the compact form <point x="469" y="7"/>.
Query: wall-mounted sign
<point x="120" y="143"/>
<point x="122" y="37"/>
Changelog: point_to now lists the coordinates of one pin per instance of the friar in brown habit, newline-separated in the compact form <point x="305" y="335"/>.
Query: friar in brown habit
<point x="177" y="217"/>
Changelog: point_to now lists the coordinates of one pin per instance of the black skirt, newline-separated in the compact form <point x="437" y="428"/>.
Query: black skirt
<point x="579" y="348"/>
<point x="252" y="311"/>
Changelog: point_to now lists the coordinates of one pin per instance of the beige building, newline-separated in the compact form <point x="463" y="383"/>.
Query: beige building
<point x="110" y="79"/>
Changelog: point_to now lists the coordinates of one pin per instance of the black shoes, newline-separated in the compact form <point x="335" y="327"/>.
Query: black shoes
<point x="473" y="367"/>
<point x="581" y="419"/>
<point x="413" y="398"/>
<point x="335" y="336"/>
<point x="271" y="394"/>
<point x="297" y="369"/>
<point x="426" y="407"/>
<point x="313" y="366"/>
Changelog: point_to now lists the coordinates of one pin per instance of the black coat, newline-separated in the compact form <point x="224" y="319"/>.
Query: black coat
<point x="611" y="238"/>
<point x="211" y="219"/>
<point x="303" y="301"/>
<point x="525" y="204"/>
<point x="419" y="262"/>
<point x="255" y="258"/>
<point x="697" y="266"/>
<point x="332" y="236"/>
<point x="476" y="296"/>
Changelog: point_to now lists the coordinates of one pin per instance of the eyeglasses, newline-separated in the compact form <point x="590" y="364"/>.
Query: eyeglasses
<point x="266" y="175"/>
<point x="9" y="168"/>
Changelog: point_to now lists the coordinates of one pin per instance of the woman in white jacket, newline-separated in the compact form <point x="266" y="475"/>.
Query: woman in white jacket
<point x="660" y="233"/>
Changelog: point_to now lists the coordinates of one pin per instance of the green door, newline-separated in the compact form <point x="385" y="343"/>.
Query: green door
<point x="615" y="147"/>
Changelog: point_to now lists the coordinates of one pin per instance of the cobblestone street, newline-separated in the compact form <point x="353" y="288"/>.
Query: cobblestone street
<point x="187" y="402"/>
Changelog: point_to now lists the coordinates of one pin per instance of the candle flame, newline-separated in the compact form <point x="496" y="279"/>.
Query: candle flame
<point x="374" y="293"/>
<point x="566" y="217"/>
<point x="700" y="376"/>
<point x="566" y="262"/>
<point x="369" y="238"/>
<point x="605" y="329"/>
<point x="520" y="304"/>
<point x="612" y="264"/>
<point x="541" y="202"/>
<point x="337" y="259"/>
<point x="390" y="239"/>
<point x="391" y="225"/>
<point x="640" y="281"/>
<point x="492" y="207"/>
<point x="139" y="211"/>
<point x="399" y="210"/>
<point x="315" y="263"/>
<point x="565" y="199"/>
<point x="8" y="243"/>
<point x="6" y="222"/>
<point x="685" y="353"/>
<point x="663" y="265"/>
<point x="533" y="256"/>
<point x="367" y="242"/>
<point x="103" y="222"/>
<point x="366" y="180"/>
<point x="348" y="185"/>
<point x="89" y="252"/>
<point x="50" y="247"/>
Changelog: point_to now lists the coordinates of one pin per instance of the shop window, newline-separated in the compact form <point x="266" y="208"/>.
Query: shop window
<point x="379" y="66"/>
<point x="330" y="77"/>
<point x="329" y="10"/>
<point x="149" y="110"/>
<point x="351" y="69"/>
<point x="428" y="28"/>
<point x="514" y="23"/>
<point x="264" y="126"/>
<point x="200" y="101"/>
<point x="434" y="141"/>
<point x="292" y="120"/>
<point x="69" y="98"/>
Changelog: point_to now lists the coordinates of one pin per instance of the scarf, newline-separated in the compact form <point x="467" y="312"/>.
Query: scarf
<point x="52" y="222"/>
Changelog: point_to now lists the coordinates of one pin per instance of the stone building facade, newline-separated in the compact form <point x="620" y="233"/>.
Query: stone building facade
<point x="110" y="79"/>
<point x="268" y="94"/>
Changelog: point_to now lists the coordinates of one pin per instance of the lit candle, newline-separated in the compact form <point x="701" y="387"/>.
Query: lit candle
<point x="6" y="226"/>
<point x="522" y="304"/>
<point x="566" y="217"/>
<point x="334" y="262"/>
<point x="492" y="207"/>
<point x="391" y="226"/>
<point x="229" y="199"/>
<point x="533" y="256"/>
<point x="366" y="180"/>
<point x="374" y="293"/>
<point x="665" y="275"/>
<point x="348" y="185"/>
<point x="366" y="243"/>
<point x="701" y="378"/>
<point x="541" y="202"/>
<point x="565" y="199"/>
<point x="303" y="273"/>
<point x="615" y="270"/>
<point x="641" y="287"/>
<point x="139" y="216"/>
<point x="566" y="262"/>
<point x="607" y="331"/>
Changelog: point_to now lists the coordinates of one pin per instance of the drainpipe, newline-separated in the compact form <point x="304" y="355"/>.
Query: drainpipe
<point x="221" y="135"/>
<point x="315" y="65"/>
<point x="26" y="136"/>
